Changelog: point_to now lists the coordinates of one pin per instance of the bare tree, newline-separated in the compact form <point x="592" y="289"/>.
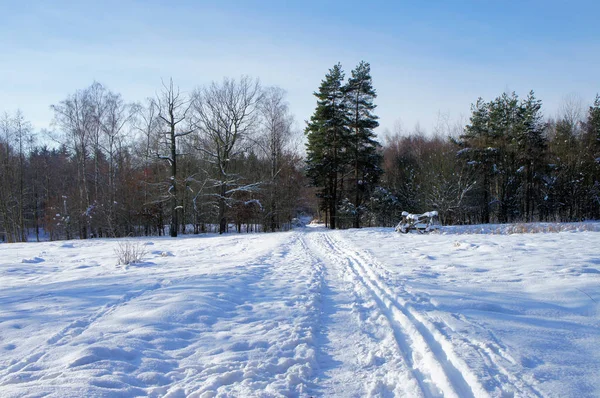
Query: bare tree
<point x="7" y="180"/>
<point x="78" y="120"/>
<point x="277" y="123"/>
<point x="571" y="110"/>
<point x="148" y="125"/>
<point x="116" y="116"/>
<point x="226" y="115"/>
<point x="96" y="101"/>
<point x="173" y="108"/>
<point x="15" y="140"/>
<point x="22" y="131"/>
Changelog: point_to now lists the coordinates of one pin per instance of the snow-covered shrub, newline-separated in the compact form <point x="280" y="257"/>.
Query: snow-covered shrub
<point x="130" y="253"/>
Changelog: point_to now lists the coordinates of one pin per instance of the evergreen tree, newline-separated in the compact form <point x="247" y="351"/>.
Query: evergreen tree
<point x="364" y="155"/>
<point x="567" y="185"/>
<point x="592" y="158"/>
<point x="531" y="151"/>
<point x="327" y="134"/>
<point x="592" y="130"/>
<point x="593" y="123"/>
<point x="504" y="126"/>
<point x="477" y="148"/>
<point x="505" y="142"/>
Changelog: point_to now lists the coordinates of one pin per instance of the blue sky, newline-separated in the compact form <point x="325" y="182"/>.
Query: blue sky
<point x="425" y="58"/>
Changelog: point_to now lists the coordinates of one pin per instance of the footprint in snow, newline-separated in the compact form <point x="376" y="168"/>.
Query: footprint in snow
<point x="34" y="260"/>
<point x="163" y="253"/>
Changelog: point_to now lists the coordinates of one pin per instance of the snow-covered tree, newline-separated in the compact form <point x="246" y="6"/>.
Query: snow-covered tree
<point x="226" y="116"/>
<point x="173" y="115"/>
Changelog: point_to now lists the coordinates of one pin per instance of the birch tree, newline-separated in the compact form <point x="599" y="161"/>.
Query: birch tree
<point x="76" y="118"/>
<point x="277" y="123"/>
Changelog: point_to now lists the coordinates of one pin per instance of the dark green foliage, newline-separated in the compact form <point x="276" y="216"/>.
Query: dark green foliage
<point x="327" y="147"/>
<point x="384" y="208"/>
<point x="343" y="159"/>
<point x="364" y="153"/>
<point x="531" y="149"/>
<point x="505" y="144"/>
<point x="478" y="150"/>
<point x="593" y="145"/>
<point x="593" y="122"/>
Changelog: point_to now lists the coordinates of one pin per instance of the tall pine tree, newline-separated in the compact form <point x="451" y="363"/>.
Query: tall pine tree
<point x="532" y="144"/>
<point x="364" y="156"/>
<point x="327" y="133"/>
<point x="477" y="148"/>
<point x="592" y="162"/>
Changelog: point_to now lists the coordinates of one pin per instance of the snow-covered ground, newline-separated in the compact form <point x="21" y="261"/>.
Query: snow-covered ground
<point x="311" y="312"/>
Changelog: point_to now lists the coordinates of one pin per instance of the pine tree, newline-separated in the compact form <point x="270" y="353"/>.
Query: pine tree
<point x="327" y="134"/>
<point x="506" y="143"/>
<point x="478" y="150"/>
<point x="504" y="127"/>
<point x="592" y="160"/>
<point x="531" y="150"/>
<point x="364" y="155"/>
<point x="593" y="127"/>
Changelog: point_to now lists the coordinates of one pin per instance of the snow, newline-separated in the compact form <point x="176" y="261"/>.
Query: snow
<point x="468" y="312"/>
<point x="416" y="217"/>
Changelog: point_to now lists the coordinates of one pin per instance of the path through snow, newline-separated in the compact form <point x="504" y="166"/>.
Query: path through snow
<point x="306" y="313"/>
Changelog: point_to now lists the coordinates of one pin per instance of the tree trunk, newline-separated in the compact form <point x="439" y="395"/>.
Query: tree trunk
<point x="356" y="152"/>
<point x="173" y="229"/>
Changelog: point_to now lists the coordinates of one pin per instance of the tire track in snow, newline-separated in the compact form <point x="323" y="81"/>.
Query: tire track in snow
<point x="491" y="351"/>
<point x="348" y="352"/>
<point x="399" y="349"/>
<point x="494" y="356"/>
<point x="435" y="366"/>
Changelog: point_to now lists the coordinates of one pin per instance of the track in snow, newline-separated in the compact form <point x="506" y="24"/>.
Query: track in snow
<point x="301" y="314"/>
<point x="430" y="353"/>
<point x="435" y="374"/>
<point x="493" y="354"/>
<point x="356" y="357"/>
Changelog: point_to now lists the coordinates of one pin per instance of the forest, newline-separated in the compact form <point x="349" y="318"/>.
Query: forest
<point x="229" y="156"/>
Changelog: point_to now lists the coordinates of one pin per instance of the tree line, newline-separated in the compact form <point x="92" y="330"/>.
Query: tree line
<point x="506" y="164"/>
<point x="223" y="156"/>
<point x="226" y="156"/>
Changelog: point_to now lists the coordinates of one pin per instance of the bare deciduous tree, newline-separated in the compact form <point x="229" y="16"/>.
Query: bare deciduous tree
<point x="571" y="110"/>
<point x="77" y="119"/>
<point x="173" y="108"/>
<point x="115" y="118"/>
<point x="226" y="115"/>
<point x="277" y="123"/>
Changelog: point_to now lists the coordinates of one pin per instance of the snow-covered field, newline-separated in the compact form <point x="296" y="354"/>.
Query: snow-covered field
<point x="305" y="313"/>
